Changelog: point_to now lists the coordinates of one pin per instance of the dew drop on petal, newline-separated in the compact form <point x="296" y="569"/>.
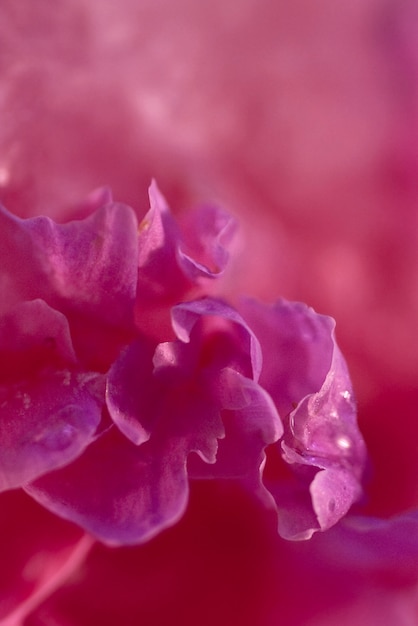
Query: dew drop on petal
<point x="343" y="442"/>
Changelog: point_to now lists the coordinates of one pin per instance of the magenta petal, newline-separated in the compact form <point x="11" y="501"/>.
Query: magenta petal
<point x="251" y="423"/>
<point x="297" y="347"/>
<point x="188" y="393"/>
<point x="49" y="409"/>
<point x="175" y="259"/>
<point x="186" y="315"/>
<point x="138" y="396"/>
<point x="297" y="520"/>
<point x="160" y="278"/>
<point x="170" y="405"/>
<point x="33" y="334"/>
<point x="46" y="422"/>
<point x="306" y="375"/>
<point x="384" y="548"/>
<point x="171" y="259"/>
<point x="333" y="491"/>
<point x="158" y="236"/>
<point x="323" y="427"/>
<point x="207" y="234"/>
<point x="132" y="393"/>
<point x="119" y="492"/>
<point x="88" y="266"/>
<point x="182" y="408"/>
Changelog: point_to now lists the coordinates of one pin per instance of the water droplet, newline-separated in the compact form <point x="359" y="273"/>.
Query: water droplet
<point x="346" y="395"/>
<point x="343" y="442"/>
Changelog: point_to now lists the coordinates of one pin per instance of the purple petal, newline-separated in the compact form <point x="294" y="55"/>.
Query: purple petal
<point x="186" y="315"/>
<point x="383" y="548"/>
<point x="172" y="260"/>
<point x="297" y="347"/>
<point x="170" y="403"/>
<point x="251" y="423"/>
<point x="49" y="409"/>
<point x="333" y="491"/>
<point x="88" y="266"/>
<point x="306" y="375"/>
<point x="46" y="422"/>
<point x="119" y="492"/>
<point x="143" y="404"/>
<point x="131" y="392"/>
<point x="207" y="233"/>
<point x="32" y="334"/>
<point x="159" y="275"/>
<point x="136" y="385"/>
<point x="183" y="395"/>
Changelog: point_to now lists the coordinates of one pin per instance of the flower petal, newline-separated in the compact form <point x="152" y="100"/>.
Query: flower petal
<point x="384" y="548"/>
<point x="307" y="377"/>
<point x="183" y="395"/>
<point x="251" y="423"/>
<point x="181" y="407"/>
<point x="198" y="249"/>
<point x="49" y="408"/>
<point x="174" y="257"/>
<point x="46" y="422"/>
<point x="88" y="266"/>
<point x="186" y="315"/>
<point x="159" y="274"/>
<point x="207" y="233"/>
<point x="32" y="335"/>
<point x="119" y="492"/>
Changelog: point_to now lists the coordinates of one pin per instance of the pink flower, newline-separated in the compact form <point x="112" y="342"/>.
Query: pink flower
<point x="104" y="423"/>
<point x="169" y="398"/>
<point x="301" y="121"/>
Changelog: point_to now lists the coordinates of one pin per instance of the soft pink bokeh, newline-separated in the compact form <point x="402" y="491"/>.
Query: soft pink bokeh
<point x="301" y="119"/>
